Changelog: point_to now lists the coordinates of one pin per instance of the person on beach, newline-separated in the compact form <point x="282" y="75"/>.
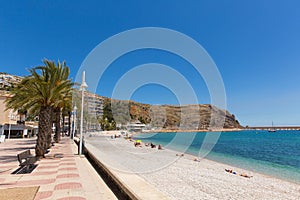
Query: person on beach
<point x="138" y="143"/>
<point x="160" y="147"/>
<point x="245" y="175"/>
<point x="242" y="174"/>
<point x="152" y="145"/>
<point x="196" y="160"/>
<point x="230" y="171"/>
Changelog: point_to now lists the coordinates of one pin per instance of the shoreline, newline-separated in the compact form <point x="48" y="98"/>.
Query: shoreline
<point x="236" y="167"/>
<point x="118" y="132"/>
<point x="192" y="157"/>
<point x="185" y="178"/>
<point x="113" y="132"/>
<point x="191" y="130"/>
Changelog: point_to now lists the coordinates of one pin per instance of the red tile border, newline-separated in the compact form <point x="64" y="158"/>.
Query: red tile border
<point x="2" y="165"/>
<point x="68" y="185"/>
<point x="60" y="164"/>
<point x="44" y="173"/>
<point x="67" y="176"/>
<point x="67" y="169"/>
<point x="68" y="159"/>
<point x="43" y="195"/>
<point x="50" y="162"/>
<point x="36" y="182"/>
<point x="47" y="167"/>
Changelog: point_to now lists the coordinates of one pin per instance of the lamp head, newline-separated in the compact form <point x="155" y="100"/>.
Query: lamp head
<point x="83" y="83"/>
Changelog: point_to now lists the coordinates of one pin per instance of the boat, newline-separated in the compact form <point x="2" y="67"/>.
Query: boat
<point x="272" y="129"/>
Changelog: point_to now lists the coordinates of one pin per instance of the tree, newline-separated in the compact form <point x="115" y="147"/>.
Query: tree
<point x="59" y="78"/>
<point x="40" y="92"/>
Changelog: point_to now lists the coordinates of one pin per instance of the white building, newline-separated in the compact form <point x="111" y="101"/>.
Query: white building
<point x="135" y="126"/>
<point x="94" y="104"/>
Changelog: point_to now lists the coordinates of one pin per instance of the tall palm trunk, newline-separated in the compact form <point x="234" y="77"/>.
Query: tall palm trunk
<point x="49" y="135"/>
<point x="57" y="112"/>
<point x="44" y="130"/>
<point x="69" y="123"/>
<point x="63" y="125"/>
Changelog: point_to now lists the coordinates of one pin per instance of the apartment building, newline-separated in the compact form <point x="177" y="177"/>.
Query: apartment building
<point x="94" y="104"/>
<point x="11" y="121"/>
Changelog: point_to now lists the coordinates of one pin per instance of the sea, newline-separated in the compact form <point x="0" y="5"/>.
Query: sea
<point x="275" y="154"/>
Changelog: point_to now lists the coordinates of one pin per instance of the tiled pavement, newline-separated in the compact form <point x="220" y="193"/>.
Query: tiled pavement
<point x="61" y="175"/>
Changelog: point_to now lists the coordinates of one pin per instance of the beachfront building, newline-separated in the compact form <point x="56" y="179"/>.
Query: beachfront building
<point x="12" y="124"/>
<point x="94" y="105"/>
<point x="7" y="116"/>
<point x="135" y="126"/>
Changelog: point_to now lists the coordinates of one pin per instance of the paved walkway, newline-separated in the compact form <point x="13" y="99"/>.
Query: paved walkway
<point x="61" y="175"/>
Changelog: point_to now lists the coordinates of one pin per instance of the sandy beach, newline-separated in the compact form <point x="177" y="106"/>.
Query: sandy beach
<point x="180" y="177"/>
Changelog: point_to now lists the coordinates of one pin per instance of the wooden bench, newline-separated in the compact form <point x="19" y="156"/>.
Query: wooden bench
<point x="26" y="159"/>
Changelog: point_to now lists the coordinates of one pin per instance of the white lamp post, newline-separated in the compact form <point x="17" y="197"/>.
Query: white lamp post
<point x="71" y="124"/>
<point x="74" y="121"/>
<point x="82" y="88"/>
<point x="9" y="124"/>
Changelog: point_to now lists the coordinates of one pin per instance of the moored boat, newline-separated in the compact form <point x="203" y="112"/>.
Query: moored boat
<point x="272" y="129"/>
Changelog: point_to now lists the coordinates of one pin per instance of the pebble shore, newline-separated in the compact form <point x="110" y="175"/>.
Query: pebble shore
<point x="180" y="177"/>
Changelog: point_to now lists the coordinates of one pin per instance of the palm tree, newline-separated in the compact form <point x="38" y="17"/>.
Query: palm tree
<point x="63" y="106"/>
<point x="42" y="91"/>
<point x="60" y="74"/>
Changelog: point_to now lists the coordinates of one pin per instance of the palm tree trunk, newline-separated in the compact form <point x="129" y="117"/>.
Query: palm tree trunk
<point x="44" y="130"/>
<point x="63" y="125"/>
<point x="49" y="136"/>
<point x="69" y="123"/>
<point x="57" y="124"/>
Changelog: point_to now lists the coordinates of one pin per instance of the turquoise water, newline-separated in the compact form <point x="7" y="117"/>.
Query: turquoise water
<point x="276" y="154"/>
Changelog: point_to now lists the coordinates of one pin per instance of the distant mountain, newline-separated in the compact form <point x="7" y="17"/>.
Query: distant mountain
<point x="188" y="117"/>
<point x="7" y="80"/>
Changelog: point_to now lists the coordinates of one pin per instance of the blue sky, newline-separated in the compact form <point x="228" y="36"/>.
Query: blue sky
<point x="255" y="44"/>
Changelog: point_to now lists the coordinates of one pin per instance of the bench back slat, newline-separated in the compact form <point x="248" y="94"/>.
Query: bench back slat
<point x="23" y="155"/>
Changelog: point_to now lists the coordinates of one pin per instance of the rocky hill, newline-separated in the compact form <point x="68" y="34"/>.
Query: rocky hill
<point x="7" y="80"/>
<point x="191" y="117"/>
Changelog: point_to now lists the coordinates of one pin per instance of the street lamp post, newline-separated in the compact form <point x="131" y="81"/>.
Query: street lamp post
<point x="71" y="124"/>
<point x="9" y="124"/>
<point x="9" y="128"/>
<point x="74" y="121"/>
<point x="82" y="88"/>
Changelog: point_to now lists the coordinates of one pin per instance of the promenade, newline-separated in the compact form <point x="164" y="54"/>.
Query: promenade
<point x="61" y="175"/>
